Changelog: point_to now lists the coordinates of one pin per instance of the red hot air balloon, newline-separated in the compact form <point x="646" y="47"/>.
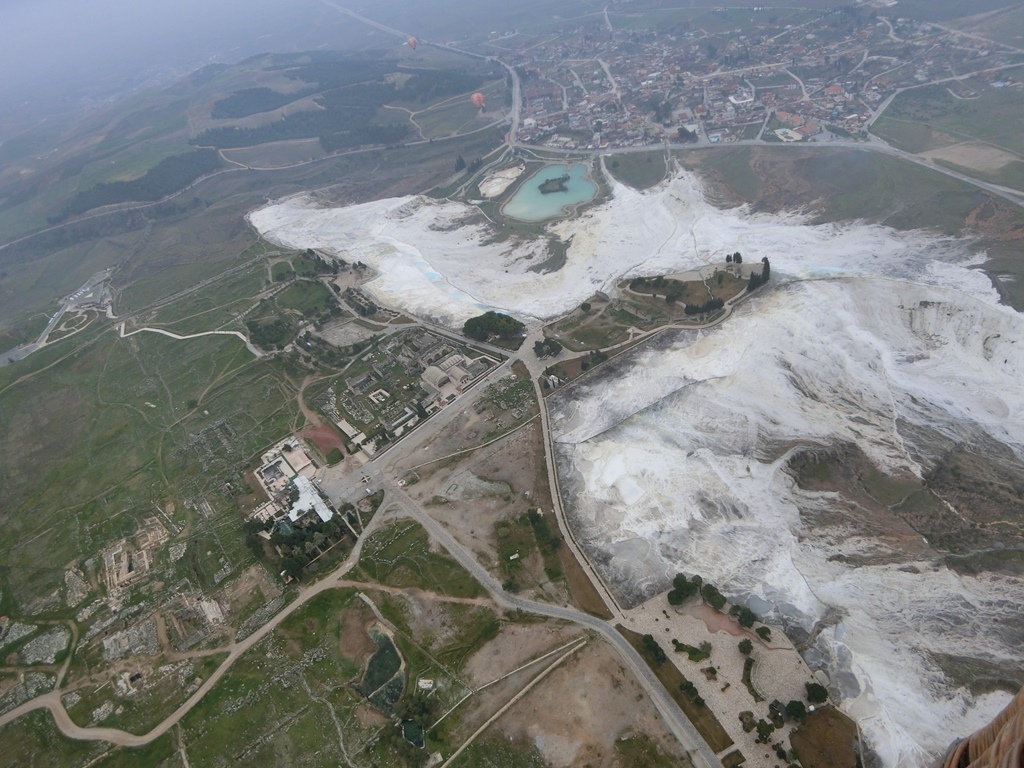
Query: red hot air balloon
<point x="478" y="100"/>
<point x="411" y="42"/>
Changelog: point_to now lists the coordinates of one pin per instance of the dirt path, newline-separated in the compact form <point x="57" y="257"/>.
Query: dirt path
<point x="485" y="602"/>
<point x="312" y="418"/>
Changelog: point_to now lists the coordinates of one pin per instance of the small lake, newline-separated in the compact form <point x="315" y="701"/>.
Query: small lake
<point x="530" y="204"/>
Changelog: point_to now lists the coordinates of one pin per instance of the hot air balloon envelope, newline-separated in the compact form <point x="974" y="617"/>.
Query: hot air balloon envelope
<point x="478" y="100"/>
<point x="411" y="42"/>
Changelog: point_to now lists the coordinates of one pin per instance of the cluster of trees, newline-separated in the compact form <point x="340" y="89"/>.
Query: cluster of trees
<point x="743" y="615"/>
<point x="683" y="588"/>
<point x="734" y="258"/>
<point x="757" y="279"/>
<point x="311" y="263"/>
<point x="662" y="109"/>
<point x="765" y="729"/>
<point x="686" y="136"/>
<point x="709" y="594"/>
<point x="337" y="126"/>
<point x="639" y="283"/>
<point x="317" y="355"/>
<point x="474" y="166"/>
<point x="711" y="305"/>
<point x="548" y="347"/>
<point x="304" y="542"/>
<point x="816" y="693"/>
<point x="674" y="293"/>
<point x="596" y="357"/>
<point x="252" y="101"/>
<point x="272" y="334"/>
<point x="168" y="176"/>
<point x="482" y="327"/>
<point x="693" y="653"/>
<point x="548" y="541"/>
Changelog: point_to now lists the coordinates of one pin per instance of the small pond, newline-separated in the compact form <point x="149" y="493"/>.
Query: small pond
<point x="384" y="677"/>
<point x="530" y="204"/>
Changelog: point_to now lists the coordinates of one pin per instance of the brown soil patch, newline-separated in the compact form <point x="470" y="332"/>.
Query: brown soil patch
<point x="369" y="717"/>
<point x="827" y="740"/>
<point x="239" y="593"/>
<point x="324" y="437"/>
<point x="515" y="645"/>
<point x="575" y="715"/>
<point x="518" y="462"/>
<point x="354" y="642"/>
<point x="716" y="621"/>
<point x="981" y="157"/>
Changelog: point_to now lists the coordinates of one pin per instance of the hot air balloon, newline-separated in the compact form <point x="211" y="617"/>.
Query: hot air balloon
<point x="411" y="42"/>
<point x="478" y="100"/>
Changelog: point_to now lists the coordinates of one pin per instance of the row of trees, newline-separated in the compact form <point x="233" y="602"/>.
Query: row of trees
<point x="711" y="305"/>
<point x="757" y="279"/>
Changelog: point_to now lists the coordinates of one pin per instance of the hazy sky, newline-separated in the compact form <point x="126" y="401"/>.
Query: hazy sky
<point x="73" y="49"/>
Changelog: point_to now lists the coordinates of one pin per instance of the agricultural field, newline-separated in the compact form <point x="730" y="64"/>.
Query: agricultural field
<point x="1005" y="26"/>
<point x="975" y="134"/>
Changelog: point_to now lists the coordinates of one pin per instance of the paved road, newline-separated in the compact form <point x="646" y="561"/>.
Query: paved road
<point x="674" y="718"/>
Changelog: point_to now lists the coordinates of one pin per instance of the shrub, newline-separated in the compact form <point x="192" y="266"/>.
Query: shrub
<point x="796" y="710"/>
<point x="712" y="596"/>
<point x="816" y="693"/>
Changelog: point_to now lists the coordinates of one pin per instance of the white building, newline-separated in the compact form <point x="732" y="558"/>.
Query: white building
<point x="309" y="501"/>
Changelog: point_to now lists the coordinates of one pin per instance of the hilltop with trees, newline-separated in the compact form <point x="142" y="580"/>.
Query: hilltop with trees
<point x="493" y="325"/>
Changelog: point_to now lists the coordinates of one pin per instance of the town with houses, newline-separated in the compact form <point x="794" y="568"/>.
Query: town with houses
<point x="763" y="73"/>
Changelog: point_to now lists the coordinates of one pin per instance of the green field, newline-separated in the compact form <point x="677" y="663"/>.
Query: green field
<point x="400" y="556"/>
<point x="458" y="117"/>
<point x="639" y="170"/>
<point x="304" y="296"/>
<point x="118" y="425"/>
<point x="1006" y="27"/>
<point x="922" y="118"/>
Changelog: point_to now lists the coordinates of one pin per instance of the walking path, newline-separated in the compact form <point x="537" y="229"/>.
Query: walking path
<point x="248" y="344"/>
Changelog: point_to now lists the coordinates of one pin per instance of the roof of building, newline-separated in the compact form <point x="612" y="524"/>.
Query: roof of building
<point x="309" y="500"/>
<point x="435" y="377"/>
